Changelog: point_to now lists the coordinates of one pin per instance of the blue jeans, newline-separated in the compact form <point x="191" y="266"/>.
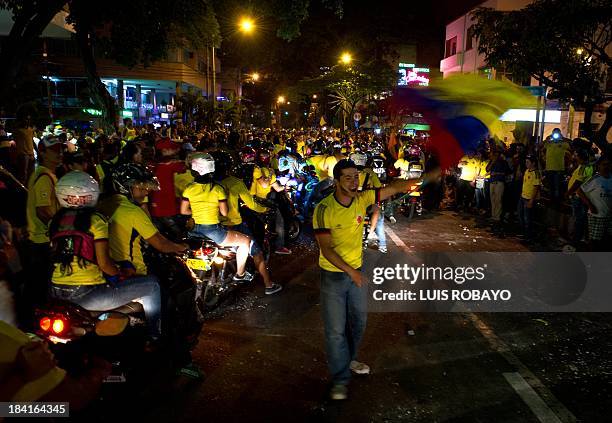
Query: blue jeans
<point x="525" y="215"/>
<point x="380" y="230"/>
<point x="217" y="233"/>
<point x="112" y="295"/>
<point x="244" y="229"/>
<point x="344" y="311"/>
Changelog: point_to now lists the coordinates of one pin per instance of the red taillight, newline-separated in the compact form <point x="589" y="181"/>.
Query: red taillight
<point x="45" y="323"/>
<point x="204" y="252"/>
<point x="58" y="326"/>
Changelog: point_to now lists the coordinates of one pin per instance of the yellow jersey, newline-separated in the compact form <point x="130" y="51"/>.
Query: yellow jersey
<point x="127" y="227"/>
<point x="317" y="163"/>
<point x="11" y="340"/>
<point x="257" y="189"/>
<point x="90" y="273"/>
<point x="204" y="202"/>
<point x="237" y="190"/>
<point x="555" y="155"/>
<point x="469" y="169"/>
<point x="531" y="179"/>
<point x="181" y="180"/>
<point x="345" y="225"/>
<point x="372" y="179"/>
<point x="580" y="174"/>
<point x="41" y="193"/>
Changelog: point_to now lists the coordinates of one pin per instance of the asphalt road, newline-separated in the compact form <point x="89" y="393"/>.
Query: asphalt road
<point x="264" y="357"/>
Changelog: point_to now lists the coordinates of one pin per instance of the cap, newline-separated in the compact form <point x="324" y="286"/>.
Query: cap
<point x="51" y="141"/>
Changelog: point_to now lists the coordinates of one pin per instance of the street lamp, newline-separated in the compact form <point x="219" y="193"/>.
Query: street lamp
<point x="579" y="51"/>
<point x="255" y="76"/>
<point x="314" y="96"/>
<point x="346" y="58"/>
<point x="280" y="99"/>
<point x="246" y="25"/>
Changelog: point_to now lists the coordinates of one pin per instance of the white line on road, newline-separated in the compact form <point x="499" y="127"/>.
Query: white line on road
<point x="396" y="239"/>
<point x="561" y="413"/>
<point x="531" y="398"/>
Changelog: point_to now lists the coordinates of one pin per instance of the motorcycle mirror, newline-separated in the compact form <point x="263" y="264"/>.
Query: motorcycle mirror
<point x="111" y="323"/>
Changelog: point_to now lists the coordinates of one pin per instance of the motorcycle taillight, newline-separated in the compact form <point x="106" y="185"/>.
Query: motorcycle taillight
<point x="59" y="326"/>
<point x="203" y="252"/>
<point x="45" y="323"/>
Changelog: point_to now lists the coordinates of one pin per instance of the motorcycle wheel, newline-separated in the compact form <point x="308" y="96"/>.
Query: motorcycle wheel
<point x="295" y="229"/>
<point x="210" y="297"/>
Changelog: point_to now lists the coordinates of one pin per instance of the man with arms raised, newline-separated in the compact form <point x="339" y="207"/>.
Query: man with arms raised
<point x="338" y="225"/>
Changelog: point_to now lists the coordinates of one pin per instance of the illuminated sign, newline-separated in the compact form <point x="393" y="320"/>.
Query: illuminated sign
<point x="126" y="114"/>
<point x="93" y="112"/>
<point x="529" y="115"/>
<point x="412" y="76"/>
<point x="134" y="105"/>
<point x="164" y="115"/>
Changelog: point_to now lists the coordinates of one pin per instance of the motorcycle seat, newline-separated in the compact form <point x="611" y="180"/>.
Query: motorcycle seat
<point x="129" y="308"/>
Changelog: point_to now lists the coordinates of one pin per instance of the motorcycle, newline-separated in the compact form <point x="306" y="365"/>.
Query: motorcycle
<point x="73" y="333"/>
<point x="213" y="268"/>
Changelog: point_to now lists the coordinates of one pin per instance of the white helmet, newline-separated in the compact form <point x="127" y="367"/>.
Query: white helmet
<point x="360" y="159"/>
<point x="202" y="163"/>
<point x="77" y="190"/>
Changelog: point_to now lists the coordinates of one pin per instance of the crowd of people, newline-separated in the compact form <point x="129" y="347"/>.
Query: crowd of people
<point x="563" y="184"/>
<point x="74" y="226"/>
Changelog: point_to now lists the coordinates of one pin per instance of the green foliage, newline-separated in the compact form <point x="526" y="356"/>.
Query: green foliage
<point x="198" y="112"/>
<point x="543" y="41"/>
<point x="350" y="86"/>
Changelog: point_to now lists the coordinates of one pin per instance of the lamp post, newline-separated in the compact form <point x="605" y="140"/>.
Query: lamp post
<point x="280" y="100"/>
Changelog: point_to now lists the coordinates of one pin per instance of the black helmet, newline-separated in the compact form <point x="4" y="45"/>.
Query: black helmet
<point x="319" y="147"/>
<point x="125" y="176"/>
<point x="224" y="163"/>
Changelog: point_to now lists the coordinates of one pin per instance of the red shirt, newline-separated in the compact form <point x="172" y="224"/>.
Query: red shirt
<point x="163" y="203"/>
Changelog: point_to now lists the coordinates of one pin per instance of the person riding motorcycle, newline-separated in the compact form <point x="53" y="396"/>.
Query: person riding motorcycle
<point x="206" y="201"/>
<point x="237" y="191"/>
<point x="264" y="186"/>
<point x="369" y="180"/>
<point x="84" y="272"/>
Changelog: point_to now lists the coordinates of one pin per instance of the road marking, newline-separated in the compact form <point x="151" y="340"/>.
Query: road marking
<point x="396" y="239"/>
<point x="531" y="398"/>
<point x="561" y="413"/>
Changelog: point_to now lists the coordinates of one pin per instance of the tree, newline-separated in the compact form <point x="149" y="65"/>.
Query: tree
<point x="561" y="44"/>
<point x="144" y="32"/>
<point x="350" y="86"/>
<point x="30" y="18"/>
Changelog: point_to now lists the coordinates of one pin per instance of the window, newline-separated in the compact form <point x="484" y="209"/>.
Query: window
<point x="451" y="47"/>
<point x="469" y="41"/>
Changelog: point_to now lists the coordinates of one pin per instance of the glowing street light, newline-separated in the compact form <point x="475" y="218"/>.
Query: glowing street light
<point x="280" y="99"/>
<point x="246" y="25"/>
<point x="255" y="76"/>
<point x="579" y="51"/>
<point x="346" y="58"/>
<point x="314" y="96"/>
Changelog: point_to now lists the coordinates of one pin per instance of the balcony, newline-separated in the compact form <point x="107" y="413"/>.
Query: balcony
<point x="452" y="63"/>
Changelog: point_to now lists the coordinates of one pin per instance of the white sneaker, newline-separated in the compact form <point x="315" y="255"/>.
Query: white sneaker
<point x="392" y="219"/>
<point x="338" y="392"/>
<point x="372" y="236"/>
<point x="360" y="368"/>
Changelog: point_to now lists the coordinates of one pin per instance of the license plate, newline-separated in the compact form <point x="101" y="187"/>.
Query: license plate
<point x="198" y="264"/>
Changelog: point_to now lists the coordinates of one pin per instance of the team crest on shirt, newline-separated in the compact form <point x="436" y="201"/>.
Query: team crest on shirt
<point x="359" y="220"/>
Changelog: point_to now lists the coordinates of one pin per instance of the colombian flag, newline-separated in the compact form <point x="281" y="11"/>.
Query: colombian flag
<point x="462" y="110"/>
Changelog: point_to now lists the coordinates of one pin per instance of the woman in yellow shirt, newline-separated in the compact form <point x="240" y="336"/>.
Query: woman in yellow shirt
<point x="206" y="201"/>
<point x="84" y="272"/>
